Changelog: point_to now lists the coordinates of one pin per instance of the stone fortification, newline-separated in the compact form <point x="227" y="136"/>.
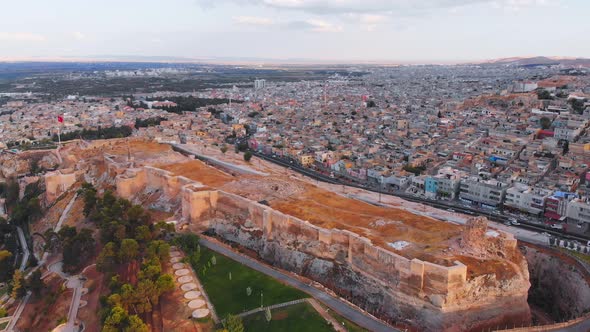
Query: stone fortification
<point x="395" y="288"/>
<point x="58" y="182"/>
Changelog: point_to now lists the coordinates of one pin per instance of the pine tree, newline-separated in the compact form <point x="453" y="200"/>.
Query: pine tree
<point x="17" y="284"/>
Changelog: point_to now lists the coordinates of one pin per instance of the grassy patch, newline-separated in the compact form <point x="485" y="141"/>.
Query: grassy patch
<point x="296" y="318"/>
<point x="230" y="296"/>
<point x="3" y="325"/>
<point x="581" y="256"/>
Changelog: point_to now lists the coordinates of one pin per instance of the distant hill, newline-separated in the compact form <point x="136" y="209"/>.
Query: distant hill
<point x="541" y="61"/>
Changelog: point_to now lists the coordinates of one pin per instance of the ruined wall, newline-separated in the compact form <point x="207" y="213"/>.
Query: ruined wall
<point x="58" y="182"/>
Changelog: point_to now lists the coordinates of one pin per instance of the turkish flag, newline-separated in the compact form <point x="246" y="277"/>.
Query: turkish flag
<point x="60" y="119"/>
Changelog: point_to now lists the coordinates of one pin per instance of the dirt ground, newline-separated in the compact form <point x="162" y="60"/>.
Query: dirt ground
<point x="42" y="313"/>
<point x="198" y="171"/>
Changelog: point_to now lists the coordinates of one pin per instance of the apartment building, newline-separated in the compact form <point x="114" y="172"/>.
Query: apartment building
<point x="523" y="198"/>
<point x="556" y="205"/>
<point x="484" y="193"/>
<point x="445" y="184"/>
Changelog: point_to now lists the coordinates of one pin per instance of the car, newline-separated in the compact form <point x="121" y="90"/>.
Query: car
<point x="514" y="222"/>
<point x="546" y="234"/>
<point x="507" y="223"/>
<point x="451" y="210"/>
<point x="556" y="226"/>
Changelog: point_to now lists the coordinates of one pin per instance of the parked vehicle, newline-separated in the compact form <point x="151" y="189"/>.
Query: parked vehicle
<point x="556" y="226"/>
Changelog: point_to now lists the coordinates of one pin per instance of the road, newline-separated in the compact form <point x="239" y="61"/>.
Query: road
<point x="230" y="166"/>
<point x="336" y="304"/>
<point x="26" y="253"/>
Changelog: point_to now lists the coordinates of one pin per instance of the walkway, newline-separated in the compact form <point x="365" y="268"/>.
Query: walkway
<point x="326" y="315"/>
<point x="191" y="286"/>
<point x="64" y="214"/>
<point x="271" y="307"/>
<point x="18" y="312"/>
<point x="23" y="241"/>
<point x="77" y="284"/>
<point x="337" y="304"/>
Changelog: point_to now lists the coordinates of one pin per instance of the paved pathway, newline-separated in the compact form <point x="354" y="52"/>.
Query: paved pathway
<point x="203" y="292"/>
<point x="65" y="213"/>
<point x="18" y="312"/>
<point x="76" y="283"/>
<point x="23" y="241"/>
<point x="271" y="307"/>
<point x="326" y="315"/>
<point x="339" y="305"/>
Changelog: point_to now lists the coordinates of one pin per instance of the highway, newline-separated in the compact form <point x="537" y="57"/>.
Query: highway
<point x="340" y="306"/>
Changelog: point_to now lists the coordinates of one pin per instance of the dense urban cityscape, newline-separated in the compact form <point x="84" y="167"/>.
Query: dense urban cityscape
<point x="295" y="166"/>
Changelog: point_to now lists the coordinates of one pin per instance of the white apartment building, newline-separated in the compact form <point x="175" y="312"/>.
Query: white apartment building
<point x="259" y="84"/>
<point x="526" y="199"/>
<point x="485" y="193"/>
<point x="568" y="133"/>
<point x="578" y="212"/>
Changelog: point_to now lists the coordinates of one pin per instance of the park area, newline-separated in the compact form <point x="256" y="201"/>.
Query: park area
<point x="300" y="317"/>
<point x="234" y="288"/>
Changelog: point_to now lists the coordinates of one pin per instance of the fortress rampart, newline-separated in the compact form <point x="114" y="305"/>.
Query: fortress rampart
<point x="409" y="286"/>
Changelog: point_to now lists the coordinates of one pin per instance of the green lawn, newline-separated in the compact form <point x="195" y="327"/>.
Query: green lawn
<point x="230" y="296"/>
<point x="296" y="318"/>
<point x="3" y="325"/>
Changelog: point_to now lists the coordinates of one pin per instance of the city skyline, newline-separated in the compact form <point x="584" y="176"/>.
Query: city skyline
<point x="322" y="30"/>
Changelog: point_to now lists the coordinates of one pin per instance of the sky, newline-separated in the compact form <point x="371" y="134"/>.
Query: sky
<point x="417" y="31"/>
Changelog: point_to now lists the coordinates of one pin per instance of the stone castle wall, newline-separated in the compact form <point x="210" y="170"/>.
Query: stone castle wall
<point x="58" y="182"/>
<point x="412" y="276"/>
<point x="390" y="286"/>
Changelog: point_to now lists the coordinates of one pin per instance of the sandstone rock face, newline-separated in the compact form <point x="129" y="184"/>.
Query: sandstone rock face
<point x="558" y="287"/>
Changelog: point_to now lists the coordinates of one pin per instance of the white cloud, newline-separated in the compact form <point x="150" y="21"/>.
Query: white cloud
<point x="314" y="25"/>
<point x="253" y="20"/>
<point x="322" y="26"/>
<point x="380" y="7"/>
<point x="78" y="35"/>
<point x="21" y="36"/>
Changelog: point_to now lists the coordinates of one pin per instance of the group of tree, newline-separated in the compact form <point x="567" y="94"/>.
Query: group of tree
<point x="94" y="134"/>
<point x="416" y="170"/>
<point x="577" y="104"/>
<point x="545" y="122"/>
<point x="129" y="238"/>
<point x="149" y="122"/>
<point x="25" y="210"/>
<point x="190" y="103"/>
<point x="78" y="247"/>
<point x="543" y="94"/>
